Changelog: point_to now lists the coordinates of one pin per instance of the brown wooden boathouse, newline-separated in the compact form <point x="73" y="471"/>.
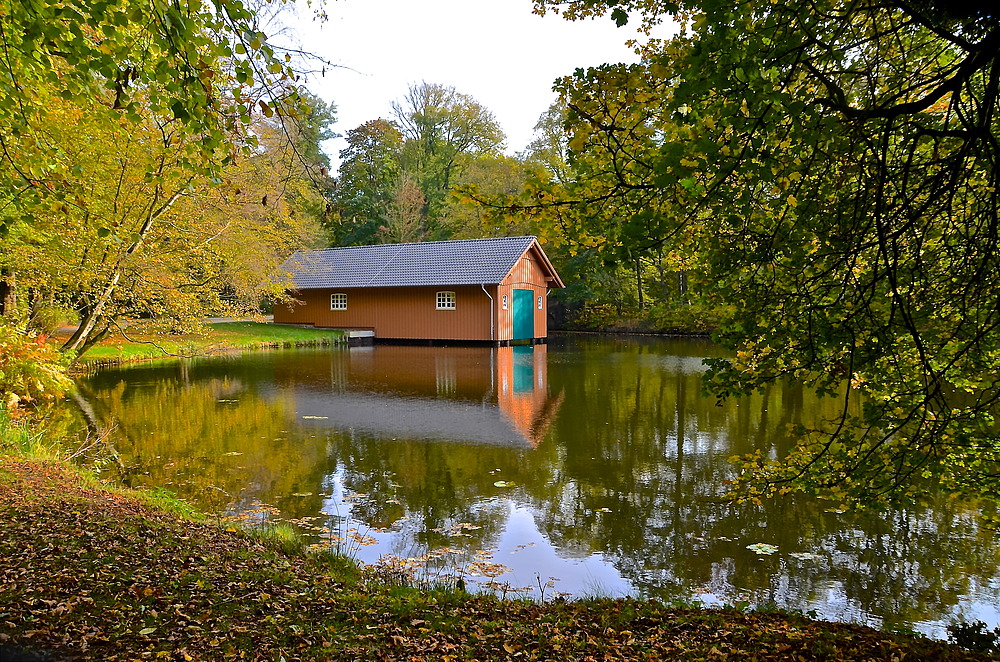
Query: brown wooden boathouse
<point x="476" y="290"/>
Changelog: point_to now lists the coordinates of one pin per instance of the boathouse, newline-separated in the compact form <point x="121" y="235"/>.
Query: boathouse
<point x="476" y="290"/>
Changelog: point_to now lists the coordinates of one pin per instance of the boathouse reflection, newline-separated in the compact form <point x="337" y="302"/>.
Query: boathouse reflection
<point x="498" y="396"/>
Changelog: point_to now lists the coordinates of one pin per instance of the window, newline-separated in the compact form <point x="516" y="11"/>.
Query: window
<point x="539" y="303"/>
<point x="505" y="302"/>
<point x="446" y="301"/>
<point x="338" y="301"/>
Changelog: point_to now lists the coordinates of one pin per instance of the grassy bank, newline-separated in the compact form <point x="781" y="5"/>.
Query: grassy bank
<point x="215" y="338"/>
<point x="94" y="572"/>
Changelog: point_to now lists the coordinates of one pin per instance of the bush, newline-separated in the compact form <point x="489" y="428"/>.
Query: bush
<point x="31" y="369"/>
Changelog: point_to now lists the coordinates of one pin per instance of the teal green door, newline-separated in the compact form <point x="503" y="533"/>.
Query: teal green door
<point x="524" y="314"/>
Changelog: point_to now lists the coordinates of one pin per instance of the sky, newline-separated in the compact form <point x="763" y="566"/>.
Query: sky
<point x="496" y="51"/>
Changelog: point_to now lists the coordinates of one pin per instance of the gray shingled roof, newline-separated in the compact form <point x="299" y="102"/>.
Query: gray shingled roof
<point x="459" y="262"/>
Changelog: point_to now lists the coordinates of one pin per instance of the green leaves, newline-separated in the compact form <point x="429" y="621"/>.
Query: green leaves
<point x="813" y="162"/>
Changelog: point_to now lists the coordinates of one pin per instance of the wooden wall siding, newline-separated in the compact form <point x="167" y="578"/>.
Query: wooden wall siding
<point x="527" y="274"/>
<point x="397" y="313"/>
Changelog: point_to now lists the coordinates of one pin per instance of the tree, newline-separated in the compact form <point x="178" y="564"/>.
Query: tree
<point x="487" y="176"/>
<point x="549" y="147"/>
<point x="441" y="128"/>
<point x="133" y="232"/>
<point x="368" y="179"/>
<point x="114" y="116"/>
<point x="404" y="217"/>
<point x="843" y="156"/>
<point x="206" y="66"/>
<point x="630" y="246"/>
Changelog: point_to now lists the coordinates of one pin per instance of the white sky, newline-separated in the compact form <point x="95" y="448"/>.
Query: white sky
<point x="497" y="51"/>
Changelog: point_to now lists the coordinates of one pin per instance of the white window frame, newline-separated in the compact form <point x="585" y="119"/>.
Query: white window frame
<point x="445" y="300"/>
<point x="338" y="301"/>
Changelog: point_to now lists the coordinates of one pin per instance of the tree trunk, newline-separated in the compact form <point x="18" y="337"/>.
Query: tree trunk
<point x="638" y="284"/>
<point x="95" y="312"/>
<point x="8" y="293"/>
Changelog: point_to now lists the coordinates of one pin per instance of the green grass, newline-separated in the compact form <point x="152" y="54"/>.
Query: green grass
<point x="217" y="338"/>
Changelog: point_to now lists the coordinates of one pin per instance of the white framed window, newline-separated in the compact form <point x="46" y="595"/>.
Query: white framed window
<point x="505" y="302"/>
<point x="338" y="301"/>
<point x="539" y="303"/>
<point x="445" y="301"/>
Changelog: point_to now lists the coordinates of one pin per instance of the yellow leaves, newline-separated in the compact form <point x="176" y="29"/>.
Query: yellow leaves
<point x="792" y="202"/>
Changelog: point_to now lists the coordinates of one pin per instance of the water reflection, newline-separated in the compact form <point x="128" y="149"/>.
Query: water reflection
<point x="496" y="396"/>
<point x="596" y="462"/>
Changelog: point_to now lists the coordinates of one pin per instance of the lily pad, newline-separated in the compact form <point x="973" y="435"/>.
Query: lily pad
<point x="762" y="548"/>
<point x="503" y="483"/>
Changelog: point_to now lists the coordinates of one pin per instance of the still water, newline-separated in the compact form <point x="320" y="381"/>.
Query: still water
<point x="590" y="466"/>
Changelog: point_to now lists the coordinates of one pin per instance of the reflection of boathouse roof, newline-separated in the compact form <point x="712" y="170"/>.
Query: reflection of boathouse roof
<point x="392" y="416"/>
<point x="456" y="262"/>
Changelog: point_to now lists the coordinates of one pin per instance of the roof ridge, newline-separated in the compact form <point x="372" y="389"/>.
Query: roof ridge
<point x="414" y="243"/>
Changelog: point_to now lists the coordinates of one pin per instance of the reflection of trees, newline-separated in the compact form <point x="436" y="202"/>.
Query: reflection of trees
<point x="655" y="455"/>
<point x="206" y="432"/>
<point x="633" y="466"/>
<point x="439" y="485"/>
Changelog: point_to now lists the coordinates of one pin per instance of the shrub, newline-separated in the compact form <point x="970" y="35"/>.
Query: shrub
<point x="31" y="369"/>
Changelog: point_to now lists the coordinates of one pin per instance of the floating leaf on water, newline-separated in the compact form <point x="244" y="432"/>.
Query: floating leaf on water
<point x="316" y="418"/>
<point x="302" y="494"/>
<point x="762" y="548"/>
<point x="603" y="510"/>
<point x="234" y="453"/>
<point x="503" y="483"/>
<point x="805" y="556"/>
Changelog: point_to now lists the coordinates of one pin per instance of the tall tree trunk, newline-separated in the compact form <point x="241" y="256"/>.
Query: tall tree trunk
<point x="661" y="272"/>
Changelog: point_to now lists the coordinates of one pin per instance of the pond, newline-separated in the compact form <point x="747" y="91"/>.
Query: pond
<point x="591" y="466"/>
